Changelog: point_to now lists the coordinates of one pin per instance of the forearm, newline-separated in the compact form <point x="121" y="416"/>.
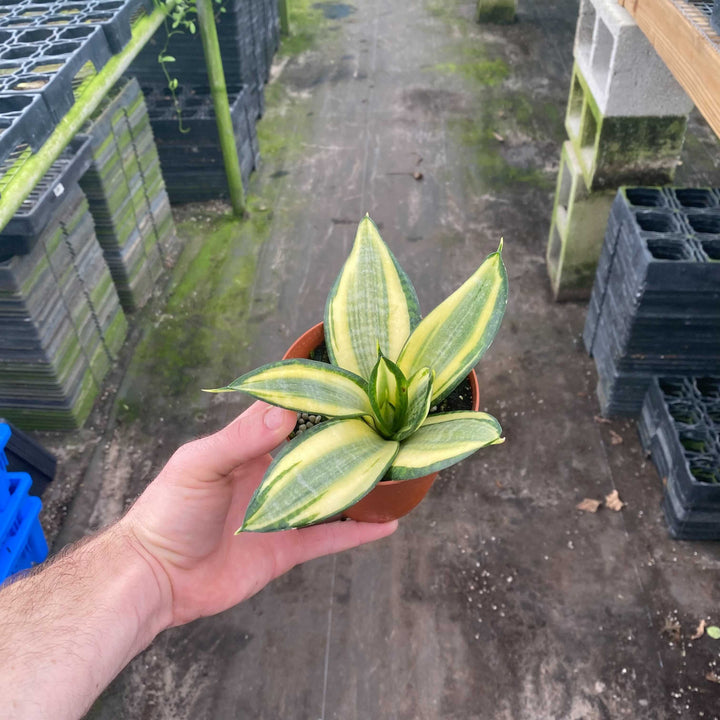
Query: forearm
<point x="68" y="630"/>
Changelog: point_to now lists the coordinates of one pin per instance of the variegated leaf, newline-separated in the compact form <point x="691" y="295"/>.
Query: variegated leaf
<point x="308" y="386"/>
<point x="320" y="473"/>
<point x="387" y="389"/>
<point x="441" y="441"/>
<point x="372" y="302"/>
<point x="418" y="404"/>
<point x="455" y="335"/>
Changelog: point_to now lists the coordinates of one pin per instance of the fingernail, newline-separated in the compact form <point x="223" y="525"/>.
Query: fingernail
<point x="274" y="418"/>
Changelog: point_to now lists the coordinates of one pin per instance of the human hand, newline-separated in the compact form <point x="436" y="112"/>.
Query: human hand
<point x="184" y="523"/>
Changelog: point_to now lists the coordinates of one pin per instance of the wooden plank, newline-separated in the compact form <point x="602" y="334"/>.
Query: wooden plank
<point x="686" y="42"/>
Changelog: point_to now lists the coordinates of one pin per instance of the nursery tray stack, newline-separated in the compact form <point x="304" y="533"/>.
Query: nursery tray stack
<point x="61" y="324"/>
<point x="22" y="542"/>
<point x="655" y="304"/>
<point x="127" y="195"/>
<point x="184" y="125"/>
<point x="244" y="49"/>
<point x="192" y="161"/>
<point x="680" y="428"/>
<point x="50" y="51"/>
<point x="60" y="320"/>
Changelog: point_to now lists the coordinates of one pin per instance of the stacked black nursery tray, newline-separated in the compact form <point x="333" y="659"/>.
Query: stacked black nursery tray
<point x="51" y="50"/>
<point x="192" y="161"/>
<point x="61" y="323"/>
<point x="183" y="120"/>
<point x="241" y="47"/>
<point x="127" y="195"/>
<point x="60" y="319"/>
<point x="680" y="427"/>
<point x="655" y="305"/>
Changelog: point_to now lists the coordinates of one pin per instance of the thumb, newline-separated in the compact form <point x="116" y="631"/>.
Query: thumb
<point x="258" y="430"/>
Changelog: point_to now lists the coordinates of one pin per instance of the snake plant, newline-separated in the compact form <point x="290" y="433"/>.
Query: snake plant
<point x="387" y="368"/>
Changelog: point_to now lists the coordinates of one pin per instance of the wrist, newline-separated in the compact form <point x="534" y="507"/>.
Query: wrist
<point x="151" y="590"/>
<point x="82" y="617"/>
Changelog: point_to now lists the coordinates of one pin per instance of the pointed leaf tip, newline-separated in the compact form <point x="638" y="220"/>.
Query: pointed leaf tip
<point x="500" y="246"/>
<point x="371" y="302"/>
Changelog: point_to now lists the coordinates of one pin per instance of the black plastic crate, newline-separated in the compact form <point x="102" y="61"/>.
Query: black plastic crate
<point x="192" y="162"/>
<point x="655" y="305"/>
<point x="56" y="67"/>
<point x="117" y="18"/>
<point x="678" y="427"/>
<point x="24" y="454"/>
<point x="688" y="524"/>
<point x="235" y="41"/>
<point x="50" y="50"/>
<point x="35" y="212"/>
<point x="25" y="124"/>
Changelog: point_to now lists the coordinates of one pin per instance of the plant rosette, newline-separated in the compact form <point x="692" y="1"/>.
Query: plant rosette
<point x="389" y="499"/>
<point x="387" y="368"/>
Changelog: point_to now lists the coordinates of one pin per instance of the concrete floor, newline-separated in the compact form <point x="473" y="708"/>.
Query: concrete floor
<point x="496" y="599"/>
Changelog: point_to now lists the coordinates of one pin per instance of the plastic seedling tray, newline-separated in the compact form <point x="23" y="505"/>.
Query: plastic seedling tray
<point x="657" y="290"/>
<point x="25" y="122"/>
<point x="688" y="524"/>
<point x="679" y="429"/>
<point x="117" y="18"/>
<point x="55" y="71"/>
<point x="100" y="126"/>
<point x="189" y="65"/>
<point x="36" y="211"/>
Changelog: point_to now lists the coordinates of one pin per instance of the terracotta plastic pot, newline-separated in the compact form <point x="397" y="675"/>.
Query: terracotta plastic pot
<point x="389" y="499"/>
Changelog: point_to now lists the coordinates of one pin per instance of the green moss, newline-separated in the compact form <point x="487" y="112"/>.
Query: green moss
<point x="281" y="132"/>
<point x="114" y="335"/>
<point x="485" y="72"/>
<point x="442" y="9"/>
<point x="307" y="24"/>
<point x="622" y="150"/>
<point x="201" y="337"/>
<point x="502" y="117"/>
<point x="480" y="136"/>
<point x="501" y="12"/>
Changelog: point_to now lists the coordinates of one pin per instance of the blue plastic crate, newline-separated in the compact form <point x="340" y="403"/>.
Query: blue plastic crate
<point x="25" y="543"/>
<point x="13" y="490"/>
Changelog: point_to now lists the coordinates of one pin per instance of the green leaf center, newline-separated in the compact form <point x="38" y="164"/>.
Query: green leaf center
<point x="399" y="405"/>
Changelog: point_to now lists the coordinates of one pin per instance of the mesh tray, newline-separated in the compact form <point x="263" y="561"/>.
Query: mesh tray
<point x="35" y="212"/>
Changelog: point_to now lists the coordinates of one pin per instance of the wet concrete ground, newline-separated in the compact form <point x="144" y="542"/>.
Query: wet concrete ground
<point x="496" y="599"/>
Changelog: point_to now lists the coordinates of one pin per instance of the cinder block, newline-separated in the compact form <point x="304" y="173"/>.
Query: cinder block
<point x="621" y="150"/>
<point x="501" y="12"/>
<point x="577" y="230"/>
<point x="623" y="71"/>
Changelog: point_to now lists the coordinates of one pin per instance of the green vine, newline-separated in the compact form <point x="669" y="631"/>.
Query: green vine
<point x="180" y="18"/>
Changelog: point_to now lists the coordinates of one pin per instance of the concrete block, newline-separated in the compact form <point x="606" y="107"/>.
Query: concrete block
<point x="501" y="12"/>
<point x="577" y="231"/>
<point x="621" y="150"/>
<point x="623" y="71"/>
